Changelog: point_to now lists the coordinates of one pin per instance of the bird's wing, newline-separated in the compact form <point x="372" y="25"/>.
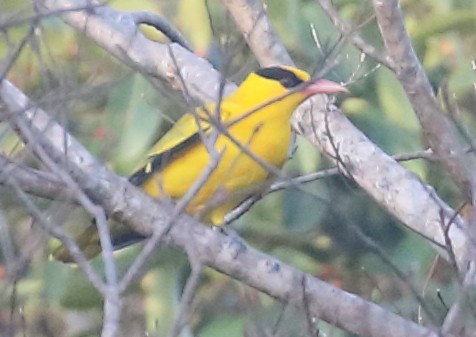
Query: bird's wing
<point x="181" y="137"/>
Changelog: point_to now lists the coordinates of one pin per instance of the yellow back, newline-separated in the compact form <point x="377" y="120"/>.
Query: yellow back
<point x="266" y="133"/>
<point x="253" y="92"/>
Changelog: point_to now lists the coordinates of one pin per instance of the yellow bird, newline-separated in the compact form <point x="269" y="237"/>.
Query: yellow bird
<point x="255" y="119"/>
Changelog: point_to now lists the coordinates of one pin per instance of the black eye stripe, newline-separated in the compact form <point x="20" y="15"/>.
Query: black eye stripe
<point x="287" y="78"/>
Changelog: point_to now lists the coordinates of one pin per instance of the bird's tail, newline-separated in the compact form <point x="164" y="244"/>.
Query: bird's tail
<point x="89" y="243"/>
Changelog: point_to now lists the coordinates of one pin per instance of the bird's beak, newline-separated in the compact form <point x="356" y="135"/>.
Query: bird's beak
<point x="324" y="86"/>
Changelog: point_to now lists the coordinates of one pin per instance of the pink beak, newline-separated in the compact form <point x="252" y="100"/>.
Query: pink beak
<point x="324" y="86"/>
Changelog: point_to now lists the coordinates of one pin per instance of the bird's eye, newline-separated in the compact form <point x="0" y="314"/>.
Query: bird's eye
<point x="290" y="82"/>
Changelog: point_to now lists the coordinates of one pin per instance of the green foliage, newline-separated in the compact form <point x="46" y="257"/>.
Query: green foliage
<point x="224" y="326"/>
<point x="132" y="113"/>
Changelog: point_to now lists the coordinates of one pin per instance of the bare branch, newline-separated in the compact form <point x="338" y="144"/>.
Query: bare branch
<point x="398" y="190"/>
<point x="250" y="17"/>
<point x="353" y="37"/>
<point x="438" y="131"/>
<point x="112" y="299"/>
<point x="293" y="182"/>
<point x="163" y="25"/>
<point x="188" y="292"/>
<point x="54" y="162"/>
<point x="36" y="182"/>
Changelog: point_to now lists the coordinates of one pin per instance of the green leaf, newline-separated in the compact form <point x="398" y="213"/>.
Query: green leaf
<point x="462" y="20"/>
<point x="303" y="209"/>
<point x="80" y="294"/>
<point x="133" y="115"/>
<point x="306" y="157"/>
<point x="394" y="102"/>
<point x="229" y="326"/>
<point x="197" y="26"/>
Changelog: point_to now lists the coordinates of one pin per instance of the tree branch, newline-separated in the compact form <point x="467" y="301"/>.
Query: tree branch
<point x="438" y="131"/>
<point x="39" y="183"/>
<point x="250" y="17"/>
<point x="356" y="40"/>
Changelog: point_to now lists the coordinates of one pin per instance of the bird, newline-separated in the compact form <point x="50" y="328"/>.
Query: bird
<point x="249" y="131"/>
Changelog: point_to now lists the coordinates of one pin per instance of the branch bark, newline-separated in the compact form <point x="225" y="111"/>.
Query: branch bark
<point x="438" y="131"/>
<point x="36" y="182"/>
<point x="251" y="18"/>
<point x="356" y="40"/>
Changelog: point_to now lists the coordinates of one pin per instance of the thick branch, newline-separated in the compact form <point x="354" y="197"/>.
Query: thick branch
<point x="439" y="132"/>
<point x="251" y="18"/>
<point x="38" y="183"/>
<point x="398" y="190"/>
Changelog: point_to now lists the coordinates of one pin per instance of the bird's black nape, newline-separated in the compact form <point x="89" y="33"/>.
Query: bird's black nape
<point x="286" y="77"/>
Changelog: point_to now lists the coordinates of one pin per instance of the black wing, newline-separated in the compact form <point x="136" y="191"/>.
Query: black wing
<point x="159" y="161"/>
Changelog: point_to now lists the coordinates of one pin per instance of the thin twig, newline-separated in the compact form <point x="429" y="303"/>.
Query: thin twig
<point x="37" y="182"/>
<point x="307" y="178"/>
<point x="15" y="53"/>
<point x="440" y="134"/>
<point x="189" y="291"/>
<point x="454" y="113"/>
<point x="425" y="286"/>
<point x="13" y="22"/>
<point x="380" y="253"/>
<point x="162" y="25"/>
<point x="110" y="291"/>
<point x="58" y="232"/>
<point x="250" y="17"/>
<point x="356" y="40"/>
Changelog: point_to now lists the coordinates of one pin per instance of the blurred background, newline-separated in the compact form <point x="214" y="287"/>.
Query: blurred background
<point x="331" y="230"/>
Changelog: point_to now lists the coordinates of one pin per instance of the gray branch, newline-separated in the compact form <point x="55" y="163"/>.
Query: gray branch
<point x="440" y="134"/>
<point x="251" y="18"/>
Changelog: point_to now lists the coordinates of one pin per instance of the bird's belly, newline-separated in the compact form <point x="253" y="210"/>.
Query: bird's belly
<point x="236" y="175"/>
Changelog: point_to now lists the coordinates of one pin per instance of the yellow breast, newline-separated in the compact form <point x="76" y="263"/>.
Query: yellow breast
<point x="237" y="174"/>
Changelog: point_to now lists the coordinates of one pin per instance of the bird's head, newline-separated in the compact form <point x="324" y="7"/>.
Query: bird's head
<point x="292" y="84"/>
